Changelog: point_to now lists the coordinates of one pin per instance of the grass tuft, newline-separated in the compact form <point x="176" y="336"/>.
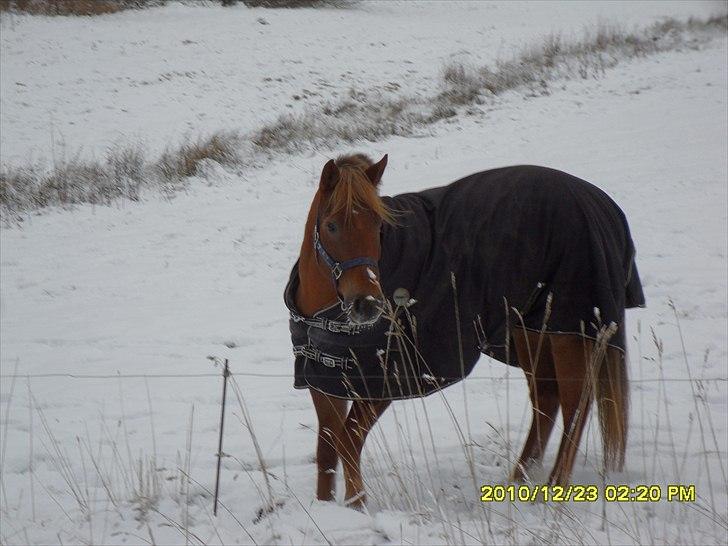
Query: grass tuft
<point x="72" y="181"/>
<point x="184" y="161"/>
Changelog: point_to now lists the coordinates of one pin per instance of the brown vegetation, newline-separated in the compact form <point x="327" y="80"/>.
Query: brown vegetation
<point x="185" y="160"/>
<point x="74" y="7"/>
<point x="292" y="4"/>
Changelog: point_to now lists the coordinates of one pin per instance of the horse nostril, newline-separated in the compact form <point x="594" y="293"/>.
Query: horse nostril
<point x="365" y="308"/>
<point x="363" y="305"/>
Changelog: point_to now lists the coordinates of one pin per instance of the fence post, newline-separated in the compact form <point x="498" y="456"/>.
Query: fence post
<point x="225" y="374"/>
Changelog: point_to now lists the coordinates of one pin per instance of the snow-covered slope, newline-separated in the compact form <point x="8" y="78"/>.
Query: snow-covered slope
<point x="153" y="288"/>
<point x="75" y="85"/>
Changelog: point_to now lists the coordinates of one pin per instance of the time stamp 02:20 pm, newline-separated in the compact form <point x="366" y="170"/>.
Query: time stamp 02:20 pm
<point x="587" y="493"/>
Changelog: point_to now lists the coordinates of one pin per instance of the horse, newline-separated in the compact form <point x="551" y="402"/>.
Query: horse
<point x="398" y="297"/>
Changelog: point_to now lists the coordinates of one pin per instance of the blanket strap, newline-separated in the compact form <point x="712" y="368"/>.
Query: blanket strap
<point x="330" y="361"/>
<point x="334" y="326"/>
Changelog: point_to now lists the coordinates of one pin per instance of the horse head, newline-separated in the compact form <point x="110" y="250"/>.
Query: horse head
<point x="341" y="252"/>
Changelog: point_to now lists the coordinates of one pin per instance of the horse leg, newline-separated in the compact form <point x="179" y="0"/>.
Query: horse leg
<point x="571" y="355"/>
<point x="534" y="356"/>
<point x="331" y="413"/>
<point x="362" y="416"/>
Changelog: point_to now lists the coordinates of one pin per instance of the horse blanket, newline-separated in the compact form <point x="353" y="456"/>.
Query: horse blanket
<point x="520" y="246"/>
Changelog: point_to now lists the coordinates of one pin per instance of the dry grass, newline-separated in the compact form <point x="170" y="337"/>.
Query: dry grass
<point x="103" y="7"/>
<point x="462" y="84"/>
<point x="74" y="180"/>
<point x="374" y="116"/>
<point x="292" y="4"/>
<point x="123" y="173"/>
<point x="429" y="483"/>
<point x="359" y="116"/>
<point x="74" y="7"/>
<point x="553" y="58"/>
<point x="356" y="118"/>
<point x="184" y="161"/>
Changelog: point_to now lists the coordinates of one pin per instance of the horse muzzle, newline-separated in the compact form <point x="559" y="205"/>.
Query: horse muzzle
<point x="365" y="309"/>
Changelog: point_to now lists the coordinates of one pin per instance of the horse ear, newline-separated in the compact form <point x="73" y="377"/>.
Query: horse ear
<point x="329" y="176"/>
<point x="375" y="172"/>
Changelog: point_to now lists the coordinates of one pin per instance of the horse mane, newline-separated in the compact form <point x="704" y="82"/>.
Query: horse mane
<point x="354" y="191"/>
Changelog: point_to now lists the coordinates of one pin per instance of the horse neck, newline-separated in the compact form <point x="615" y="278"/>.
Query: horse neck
<point x="315" y="290"/>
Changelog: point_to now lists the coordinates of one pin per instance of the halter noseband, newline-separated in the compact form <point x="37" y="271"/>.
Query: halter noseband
<point x="338" y="268"/>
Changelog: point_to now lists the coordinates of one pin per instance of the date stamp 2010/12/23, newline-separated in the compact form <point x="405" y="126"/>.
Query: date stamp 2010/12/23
<point x="587" y="493"/>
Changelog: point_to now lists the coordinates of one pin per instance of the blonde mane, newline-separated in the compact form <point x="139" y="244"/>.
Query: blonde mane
<point x="354" y="191"/>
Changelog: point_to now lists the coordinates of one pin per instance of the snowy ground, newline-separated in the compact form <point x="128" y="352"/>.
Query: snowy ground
<point x="79" y="85"/>
<point x="155" y="287"/>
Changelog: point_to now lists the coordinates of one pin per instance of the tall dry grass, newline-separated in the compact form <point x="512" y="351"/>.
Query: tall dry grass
<point x="410" y="473"/>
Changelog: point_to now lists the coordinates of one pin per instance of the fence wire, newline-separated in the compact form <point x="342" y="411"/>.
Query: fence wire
<point x="516" y="377"/>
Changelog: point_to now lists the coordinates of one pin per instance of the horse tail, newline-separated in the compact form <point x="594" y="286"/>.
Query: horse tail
<point x="612" y="400"/>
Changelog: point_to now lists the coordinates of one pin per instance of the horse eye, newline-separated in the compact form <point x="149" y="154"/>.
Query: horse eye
<point x="331" y="226"/>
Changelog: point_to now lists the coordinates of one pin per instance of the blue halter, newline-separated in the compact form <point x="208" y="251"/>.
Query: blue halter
<point x="338" y="268"/>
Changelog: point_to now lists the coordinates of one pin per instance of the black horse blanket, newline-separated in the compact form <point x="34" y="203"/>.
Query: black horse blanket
<point x="475" y="258"/>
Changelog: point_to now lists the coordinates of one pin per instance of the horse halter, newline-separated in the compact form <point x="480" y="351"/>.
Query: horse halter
<point x="338" y="268"/>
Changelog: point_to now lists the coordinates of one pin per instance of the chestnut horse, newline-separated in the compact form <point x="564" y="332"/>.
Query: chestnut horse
<point x="339" y="269"/>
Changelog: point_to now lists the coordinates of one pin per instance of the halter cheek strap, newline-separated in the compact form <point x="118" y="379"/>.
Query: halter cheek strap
<point x="338" y="268"/>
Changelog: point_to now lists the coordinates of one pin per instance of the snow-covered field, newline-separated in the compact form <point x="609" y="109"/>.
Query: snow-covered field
<point x="80" y="85"/>
<point x="153" y="288"/>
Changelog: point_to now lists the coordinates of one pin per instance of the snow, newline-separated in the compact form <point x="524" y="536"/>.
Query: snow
<point x="76" y="85"/>
<point x="158" y="286"/>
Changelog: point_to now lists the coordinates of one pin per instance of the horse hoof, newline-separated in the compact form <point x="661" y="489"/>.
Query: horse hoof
<point x="357" y="502"/>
